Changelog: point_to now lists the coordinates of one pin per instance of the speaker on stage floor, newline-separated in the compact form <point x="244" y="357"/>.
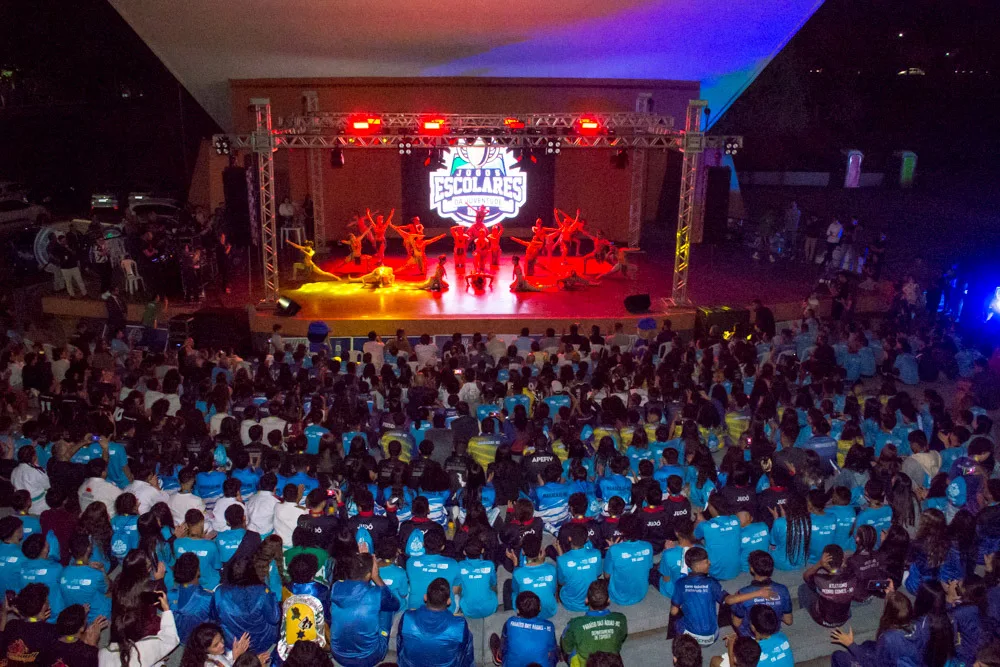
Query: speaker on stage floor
<point x="223" y="328"/>
<point x="637" y="303"/>
<point x="287" y="307"/>
<point x="716" y="205"/>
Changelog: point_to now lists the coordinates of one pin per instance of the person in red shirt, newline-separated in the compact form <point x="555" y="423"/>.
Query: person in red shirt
<point x="59" y="520"/>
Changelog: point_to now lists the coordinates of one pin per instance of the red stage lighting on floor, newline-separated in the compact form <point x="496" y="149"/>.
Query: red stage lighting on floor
<point x="587" y="126"/>
<point x="433" y="125"/>
<point x="364" y="124"/>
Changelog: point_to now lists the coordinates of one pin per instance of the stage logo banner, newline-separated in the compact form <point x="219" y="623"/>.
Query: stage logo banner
<point x="478" y="175"/>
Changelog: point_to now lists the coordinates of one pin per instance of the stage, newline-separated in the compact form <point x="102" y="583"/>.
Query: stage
<point x="723" y="276"/>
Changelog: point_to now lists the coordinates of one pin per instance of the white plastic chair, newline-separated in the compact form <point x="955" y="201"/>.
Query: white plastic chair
<point x="299" y="234"/>
<point x="132" y="277"/>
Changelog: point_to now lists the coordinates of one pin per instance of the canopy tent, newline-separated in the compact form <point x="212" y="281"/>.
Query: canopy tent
<point x="719" y="43"/>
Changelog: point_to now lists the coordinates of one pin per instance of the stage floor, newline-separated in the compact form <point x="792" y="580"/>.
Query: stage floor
<point x="497" y="309"/>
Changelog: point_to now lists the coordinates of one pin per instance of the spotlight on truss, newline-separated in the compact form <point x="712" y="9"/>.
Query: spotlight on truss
<point x="222" y="146"/>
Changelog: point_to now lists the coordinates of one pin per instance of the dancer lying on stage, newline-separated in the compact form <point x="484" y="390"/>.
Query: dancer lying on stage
<point x="602" y="248"/>
<point x="622" y="265"/>
<point x="461" y="236"/>
<point x="353" y="242"/>
<point x="379" y="226"/>
<point x="381" y="276"/>
<point x="311" y="270"/>
<point x="521" y="284"/>
<point x="574" y="282"/>
<point x="477" y="280"/>
<point x="533" y="249"/>
<point x="418" y="244"/>
<point x="496" y="233"/>
<point x="437" y="282"/>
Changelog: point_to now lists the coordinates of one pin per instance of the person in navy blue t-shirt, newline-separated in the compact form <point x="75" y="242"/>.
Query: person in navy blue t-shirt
<point x="525" y="638"/>
<point x="761" y="569"/>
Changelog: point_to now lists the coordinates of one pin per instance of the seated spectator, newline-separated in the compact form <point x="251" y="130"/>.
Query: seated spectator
<point x="432" y="636"/>
<point x="28" y="634"/>
<point x="686" y="651"/>
<point x="775" y="649"/>
<point x="628" y="564"/>
<point x="525" y="638"/>
<point x="577" y="567"/>
<point x="140" y="647"/>
<point x="422" y="569"/>
<point x="761" y="569"/>
<point x="722" y="537"/>
<point x="362" y="606"/>
<point x="893" y="643"/>
<point x="207" y="646"/>
<point x="830" y="589"/>
<point x="196" y="542"/>
<point x="535" y="575"/>
<point x="599" y="630"/>
<point x="83" y="584"/>
<point x="189" y="600"/>
<point x="477" y="581"/>
<point x="77" y="642"/>
<point x="245" y="605"/>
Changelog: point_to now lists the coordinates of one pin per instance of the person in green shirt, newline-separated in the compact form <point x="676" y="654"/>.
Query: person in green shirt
<point x="303" y="544"/>
<point x="600" y="629"/>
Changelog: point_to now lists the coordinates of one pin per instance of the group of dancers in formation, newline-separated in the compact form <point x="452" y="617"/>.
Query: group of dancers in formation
<point x="485" y="246"/>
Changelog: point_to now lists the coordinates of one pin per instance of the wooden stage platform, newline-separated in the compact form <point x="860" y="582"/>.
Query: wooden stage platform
<point x="718" y="277"/>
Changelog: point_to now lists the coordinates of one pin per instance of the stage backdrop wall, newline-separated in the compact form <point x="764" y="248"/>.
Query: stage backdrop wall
<point x="583" y="178"/>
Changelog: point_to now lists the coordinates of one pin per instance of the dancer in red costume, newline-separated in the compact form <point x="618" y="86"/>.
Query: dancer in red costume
<point x="533" y="249"/>
<point x="461" y="236"/>
<point x="521" y="284"/>
<point x="482" y="248"/>
<point x="437" y="282"/>
<point x="379" y="226"/>
<point x="496" y="233"/>
<point x="353" y="242"/>
<point x="602" y="248"/>
<point x="622" y="265"/>
<point x="479" y="225"/>
<point x="415" y="228"/>
<point x="418" y="244"/>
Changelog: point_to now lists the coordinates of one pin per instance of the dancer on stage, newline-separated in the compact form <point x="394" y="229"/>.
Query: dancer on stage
<point x="381" y="276"/>
<point x="622" y="265"/>
<point x="419" y="246"/>
<point x="496" y="233"/>
<point x="415" y="228"/>
<point x="437" y="282"/>
<point x="479" y="225"/>
<point x="311" y="270"/>
<point x="353" y="242"/>
<point x="521" y="284"/>
<point x="461" y="236"/>
<point x="533" y="249"/>
<point x="379" y="226"/>
<point x="482" y="249"/>
<point x="477" y="280"/>
<point x="602" y="247"/>
<point x="568" y="229"/>
<point x="574" y="282"/>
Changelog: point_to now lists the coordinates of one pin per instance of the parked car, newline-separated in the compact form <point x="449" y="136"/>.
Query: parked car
<point x="19" y="211"/>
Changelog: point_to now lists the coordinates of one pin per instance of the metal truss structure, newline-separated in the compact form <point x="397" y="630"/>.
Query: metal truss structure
<point x="693" y="147"/>
<point x="552" y="133"/>
<point x="262" y="143"/>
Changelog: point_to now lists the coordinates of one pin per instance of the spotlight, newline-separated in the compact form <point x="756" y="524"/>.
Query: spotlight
<point x="732" y="145"/>
<point x="554" y="146"/>
<point x="405" y="147"/>
<point x="620" y="159"/>
<point x="286" y="307"/>
<point x="336" y="158"/>
<point x="222" y="146"/>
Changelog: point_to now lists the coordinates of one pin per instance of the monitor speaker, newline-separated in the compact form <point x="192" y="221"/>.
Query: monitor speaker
<point x="637" y="303"/>
<point x="287" y="307"/>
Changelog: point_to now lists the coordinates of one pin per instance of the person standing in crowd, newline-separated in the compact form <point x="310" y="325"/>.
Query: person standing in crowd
<point x="68" y="260"/>
<point x="834" y="232"/>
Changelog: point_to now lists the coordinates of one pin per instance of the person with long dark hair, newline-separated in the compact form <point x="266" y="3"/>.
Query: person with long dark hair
<point x="933" y="556"/>
<point x="790" y="534"/>
<point x="969" y="611"/>
<point x="206" y="647"/>
<point x="933" y="631"/>
<point x="893" y="645"/>
<point x="245" y="605"/>
<point x="133" y="645"/>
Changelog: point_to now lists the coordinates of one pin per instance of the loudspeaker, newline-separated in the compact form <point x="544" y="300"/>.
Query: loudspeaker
<point x="637" y="303"/>
<point x="716" y="205"/>
<point x="223" y="328"/>
<point x="179" y="329"/>
<point x="286" y="307"/>
<point x="726" y="318"/>
<point x="234" y="187"/>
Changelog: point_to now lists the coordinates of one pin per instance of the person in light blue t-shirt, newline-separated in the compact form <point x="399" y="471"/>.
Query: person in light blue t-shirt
<point x="878" y="515"/>
<point x="205" y="549"/>
<point x="775" y="650"/>
<point x="422" y="570"/>
<point x="535" y="575"/>
<point x="477" y="579"/>
<point x="576" y="568"/>
<point x="628" y="563"/>
<point x="83" y="584"/>
<point x="823" y="528"/>
<point x="844" y="515"/>
<point x="722" y="541"/>
<point x="392" y="575"/>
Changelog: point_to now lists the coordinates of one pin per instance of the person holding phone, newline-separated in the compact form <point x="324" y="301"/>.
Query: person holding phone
<point x="141" y="648"/>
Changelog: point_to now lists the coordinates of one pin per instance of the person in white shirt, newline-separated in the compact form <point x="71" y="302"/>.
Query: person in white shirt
<point x="153" y="393"/>
<point x="249" y="419"/>
<point x="60" y="364"/>
<point x="495" y="347"/>
<point x="27" y="476"/>
<point x="286" y="211"/>
<point x="833" y="234"/>
<point x="145" y="650"/>
<point x="260" y="508"/>
<point x="184" y="499"/>
<point x="97" y="488"/>
<point x="425" y="351"/>
<point x="286" y="515"/>
<point x="146" y="487"/>
<point x="215" y="423"/>
<point x="273" y="422"/>
<point x="230" y="496"/>
<point x="277" y="342"/>
<point x="375" y="347"/>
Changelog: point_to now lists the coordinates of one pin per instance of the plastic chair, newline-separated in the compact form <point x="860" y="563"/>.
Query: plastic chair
<point x="288" y="232"/>
<point x="132" y="277"/>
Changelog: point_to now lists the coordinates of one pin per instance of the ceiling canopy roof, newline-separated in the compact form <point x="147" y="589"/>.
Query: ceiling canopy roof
<point x="723" y="44"/>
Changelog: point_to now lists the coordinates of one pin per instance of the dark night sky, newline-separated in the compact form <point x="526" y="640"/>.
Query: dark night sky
<point x="91" y="103"/>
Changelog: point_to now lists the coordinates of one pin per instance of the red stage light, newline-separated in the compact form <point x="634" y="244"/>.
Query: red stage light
<point x="588" y="126"/>
<point x="363" y="124"/>
<point x="513" y="123"/>
<point x="433" y="125"/>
